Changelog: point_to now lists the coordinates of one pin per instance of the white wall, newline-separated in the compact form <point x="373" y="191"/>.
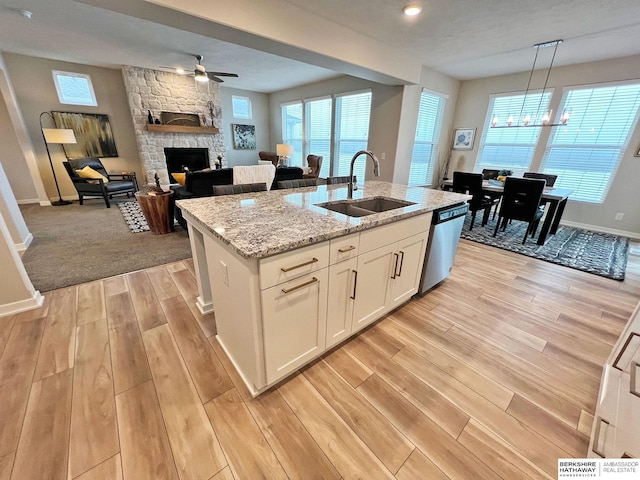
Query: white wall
<point x="473" y="101"/>
<point x="260" y="118"/>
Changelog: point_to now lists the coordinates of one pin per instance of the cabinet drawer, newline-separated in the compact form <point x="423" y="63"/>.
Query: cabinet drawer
<point x="393" y="232"/>
<point x="296" y="263"/>
<point x="629" y="352"/>
<point x="344" y="248"/>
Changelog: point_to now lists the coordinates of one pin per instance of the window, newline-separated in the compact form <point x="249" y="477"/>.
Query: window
<point x="74" y="88"/>
<point x="511" y="148"/>
<point x="241" y="107"/>
<point x="318" y="131"/>
<point x="425" y="145"/>
<point x="351" y="132"/>
<point x="292" y="130"/>
<point x="334" y="127"/>
<point x="585" y="153"/>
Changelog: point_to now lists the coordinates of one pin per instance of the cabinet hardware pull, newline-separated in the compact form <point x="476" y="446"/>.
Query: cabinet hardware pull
<point x="355" y="284"/>
<point x="304" y="264"/>
<point x="401" y="262"/>
<point x="395" y="266"/>
<point x="348" y="249"/>
<point x="596" y="436"/>
<point x="624" y="349"/>
<point x="632" y="386"/>
<point x="302" y="285"/>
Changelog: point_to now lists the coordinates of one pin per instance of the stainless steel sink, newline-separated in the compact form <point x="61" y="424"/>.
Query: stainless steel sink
<point x="365" y="206"/>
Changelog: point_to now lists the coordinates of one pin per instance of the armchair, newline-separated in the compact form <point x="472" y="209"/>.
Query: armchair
<point x="116" y="184"/>
<point x="315" y="163"/>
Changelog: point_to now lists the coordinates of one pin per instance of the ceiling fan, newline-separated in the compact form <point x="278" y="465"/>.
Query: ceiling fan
<point x="200" y="73"/>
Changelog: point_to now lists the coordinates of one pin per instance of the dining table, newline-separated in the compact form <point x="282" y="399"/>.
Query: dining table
<point x="556" y="198"/>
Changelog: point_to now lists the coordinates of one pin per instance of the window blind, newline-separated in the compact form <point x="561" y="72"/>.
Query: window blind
<point x="292" y="131"/>
<point x="318" y="131"/>
<point x="351" y="132"/>
<point x="511" y="148"/>
<point x="585" y="153"/>
<point x="425" y="145"/>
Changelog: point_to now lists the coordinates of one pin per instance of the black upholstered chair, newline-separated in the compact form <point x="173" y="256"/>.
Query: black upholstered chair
<point x="241" y="188"/>
<point x="117" y="184"/>
<point x="305" y="182"/>
<point x="520" y="201"/>
<point x="341" y="179"/>
<point x="286" y="173"/>
<point x="490" y="174"/>
<point x="550" y="179"/>
<point x="471" y="184"/>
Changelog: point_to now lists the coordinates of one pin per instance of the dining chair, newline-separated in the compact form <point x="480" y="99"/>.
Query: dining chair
<point x="341" y="179"/>
<point x="471" y="184"/>
<point x="520" y="201"/>
<point x="490" y="174"/>
<point x="240" y="188"/>
<point x="303" y="182"/>
<point x="550" y="179"/>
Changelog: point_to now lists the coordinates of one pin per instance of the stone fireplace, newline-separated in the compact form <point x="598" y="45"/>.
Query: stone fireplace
<point x="155" y="91"/>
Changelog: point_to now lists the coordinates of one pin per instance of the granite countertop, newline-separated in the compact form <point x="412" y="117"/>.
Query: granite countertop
<point x="261" y="224"/>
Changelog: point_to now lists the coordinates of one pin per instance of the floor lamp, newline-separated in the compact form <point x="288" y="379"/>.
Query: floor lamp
<point x="56" y="136"/>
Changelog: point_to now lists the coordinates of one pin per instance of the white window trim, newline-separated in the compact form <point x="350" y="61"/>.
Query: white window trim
<point x="249" y="116"/>
<point x="55" y="73"/>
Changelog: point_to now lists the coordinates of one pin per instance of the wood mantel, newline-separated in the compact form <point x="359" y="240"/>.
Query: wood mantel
<point x="181" y="129"/>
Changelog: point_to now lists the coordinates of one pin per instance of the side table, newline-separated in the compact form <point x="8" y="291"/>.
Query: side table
<point x="157" y="208"/>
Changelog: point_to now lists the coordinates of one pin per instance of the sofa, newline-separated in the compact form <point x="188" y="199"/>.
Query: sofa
<point x="200" y="184"/>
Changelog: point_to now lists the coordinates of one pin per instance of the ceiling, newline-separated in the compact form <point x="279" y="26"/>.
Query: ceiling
<point x="462" y="38"/>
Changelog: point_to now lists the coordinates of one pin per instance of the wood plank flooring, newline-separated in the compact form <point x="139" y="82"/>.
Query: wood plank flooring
<point x="493" y="375"/>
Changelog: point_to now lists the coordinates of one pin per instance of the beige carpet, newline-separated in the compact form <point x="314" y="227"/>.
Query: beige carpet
<point x="76" y="243"/>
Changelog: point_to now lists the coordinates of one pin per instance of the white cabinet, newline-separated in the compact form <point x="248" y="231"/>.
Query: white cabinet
<point x="276" y="314"/>
<point x="343" y="279"/>
<point x="294" y="316"/>
<point x="407" y="269"/>
<point x="375" y="269"/>
<point x="617" y="419"/>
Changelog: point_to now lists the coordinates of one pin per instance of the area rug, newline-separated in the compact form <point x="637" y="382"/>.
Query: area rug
<point x="598" y="253"/>
<point x="133" y="217"/>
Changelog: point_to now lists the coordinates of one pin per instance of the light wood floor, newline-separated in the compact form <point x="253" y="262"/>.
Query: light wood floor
<point x="492" y="375"/>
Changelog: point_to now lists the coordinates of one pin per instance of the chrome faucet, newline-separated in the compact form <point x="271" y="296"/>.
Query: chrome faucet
<point x="376" y="168"/>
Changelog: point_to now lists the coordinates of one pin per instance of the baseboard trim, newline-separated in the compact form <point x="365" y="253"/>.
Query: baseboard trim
<point x="28" y="201"/>
<point x="23" y="305"/>
<point x="596" y="228"/>
<point x="22" y="246"/>
<point x="204" y="307"/>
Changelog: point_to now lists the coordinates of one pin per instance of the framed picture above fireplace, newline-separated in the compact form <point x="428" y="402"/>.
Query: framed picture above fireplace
<point x="93" y="134"/>
<point x="244" y="136"/>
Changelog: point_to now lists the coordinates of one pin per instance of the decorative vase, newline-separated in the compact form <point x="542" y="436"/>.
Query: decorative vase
<point x="149" y="116"/>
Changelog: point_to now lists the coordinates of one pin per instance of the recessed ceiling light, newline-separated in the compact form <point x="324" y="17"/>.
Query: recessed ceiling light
<point x="412" y="10"/>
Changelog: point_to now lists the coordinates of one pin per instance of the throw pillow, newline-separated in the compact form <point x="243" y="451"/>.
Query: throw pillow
<point x="91" y="174"/>
<point x="179" y="177"/>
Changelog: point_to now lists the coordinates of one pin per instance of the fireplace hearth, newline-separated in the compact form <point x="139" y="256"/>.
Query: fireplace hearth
<point x="186" y="159"/>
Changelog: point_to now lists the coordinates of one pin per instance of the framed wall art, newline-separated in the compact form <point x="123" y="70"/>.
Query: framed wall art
<point x="463" y="138"/>
<point x="244" y="136"/>
<point x="93" y="134"/>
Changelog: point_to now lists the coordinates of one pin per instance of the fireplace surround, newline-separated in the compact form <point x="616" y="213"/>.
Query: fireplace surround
<point x="186" y="159"/>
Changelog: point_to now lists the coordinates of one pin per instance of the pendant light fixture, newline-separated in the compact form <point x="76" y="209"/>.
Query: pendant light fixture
<point x="524" y="118"/>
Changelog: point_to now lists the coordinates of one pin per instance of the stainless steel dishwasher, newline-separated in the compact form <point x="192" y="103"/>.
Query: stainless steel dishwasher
<point x="444" y="236"/>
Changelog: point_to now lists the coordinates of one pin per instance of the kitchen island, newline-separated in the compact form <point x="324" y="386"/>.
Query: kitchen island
<point x="290" y="278"/>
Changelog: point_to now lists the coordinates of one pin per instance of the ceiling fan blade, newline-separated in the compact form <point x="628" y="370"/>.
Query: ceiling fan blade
<point x="224" y="74"/>
<point x="214" y="78"/>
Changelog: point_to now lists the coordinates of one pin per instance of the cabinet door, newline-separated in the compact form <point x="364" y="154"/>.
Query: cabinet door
<point x="603" y="433"/>
<point x="407" y="277"/>
<point x="294" y="322"/>
<point x="627" y="440"/>
<point x="372" y="296"/>
<point x="342" y="290"/>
